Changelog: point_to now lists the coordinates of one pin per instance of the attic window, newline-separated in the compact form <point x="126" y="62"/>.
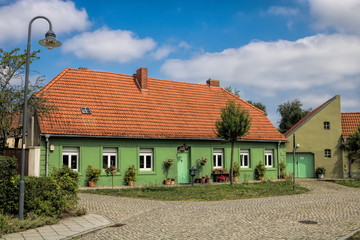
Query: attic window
<point x="85" y="110"/>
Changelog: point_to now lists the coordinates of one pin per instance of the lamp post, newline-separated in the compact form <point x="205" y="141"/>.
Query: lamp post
<point x="49" y="42"/>
<point x="192" y="171"/>
<point x="295" y="146"/>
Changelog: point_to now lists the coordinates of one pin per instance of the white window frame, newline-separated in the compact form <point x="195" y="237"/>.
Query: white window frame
<point x="327" y="153"/>
<point x="218" y="156"/>
<point x="245" y="154"/>
<point x="109" y="152"/>
<point x="269" y="158"/>
<point x="71" y="152"/>
<point x="326" y="125"/>
<point x="145" y="153"/>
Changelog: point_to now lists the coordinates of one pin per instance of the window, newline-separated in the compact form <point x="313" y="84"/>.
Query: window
<point x="71" y="157"/>
<point x="327" y="153"/>
<point x="146" y="156"/>
<point x="269" y="158"/>
<point x="218" y="156"/>
<point x="109" y="157"/>
<point x="327" y="125"/>
<point x="244" y="158"/>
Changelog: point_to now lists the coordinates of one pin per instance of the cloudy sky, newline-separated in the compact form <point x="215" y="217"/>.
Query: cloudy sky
<point x="272" y="51"/>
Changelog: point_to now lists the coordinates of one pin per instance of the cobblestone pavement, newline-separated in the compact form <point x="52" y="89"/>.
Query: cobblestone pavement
<point x="334" y="208"/>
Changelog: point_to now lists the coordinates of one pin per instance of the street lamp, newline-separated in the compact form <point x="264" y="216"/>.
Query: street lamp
<point x="50" y="42"/>
<point x="295" y="146"/>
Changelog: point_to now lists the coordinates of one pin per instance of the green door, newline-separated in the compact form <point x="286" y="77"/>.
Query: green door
<point x="183" y="167"/>
<point x="304" y="165"/>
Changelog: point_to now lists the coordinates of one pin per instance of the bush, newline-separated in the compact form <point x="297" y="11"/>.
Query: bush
<point x="9" y="188"/>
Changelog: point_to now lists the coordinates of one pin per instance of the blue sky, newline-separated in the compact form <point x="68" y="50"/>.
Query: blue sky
<point x="272" y="51"/>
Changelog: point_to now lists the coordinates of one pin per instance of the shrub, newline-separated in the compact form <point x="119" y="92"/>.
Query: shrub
<point x="260" y="170"/>
<point x="9" y="187"/>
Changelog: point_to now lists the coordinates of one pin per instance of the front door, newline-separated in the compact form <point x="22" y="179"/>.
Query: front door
<point x="183" y="167"/>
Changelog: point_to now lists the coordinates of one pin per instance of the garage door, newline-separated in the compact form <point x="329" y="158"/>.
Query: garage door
<point x="304" y="165"/>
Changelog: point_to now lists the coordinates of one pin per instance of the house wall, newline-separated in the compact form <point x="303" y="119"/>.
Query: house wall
<point x="313" y="138"/>
<point x="128" y="154"/>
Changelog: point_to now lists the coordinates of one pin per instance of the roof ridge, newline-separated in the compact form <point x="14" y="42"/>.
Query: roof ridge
<point x="308" y="116"/>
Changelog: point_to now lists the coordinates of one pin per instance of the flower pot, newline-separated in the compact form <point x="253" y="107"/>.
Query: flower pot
<point x="261" y="178"/>
<point x="172" y="182"/>
<point x="91" y="184"/>
<point x="202" y="180"/>
<point x="320" y="176"/>
<point x="167" y="181"/>
<point x="207" y="180"/>
<point x="131" y="183"/>
<point x="236" y="179"/>
<point x="197" y="180"/>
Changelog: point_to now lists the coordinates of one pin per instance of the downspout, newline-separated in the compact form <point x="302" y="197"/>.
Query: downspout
<point x="278" y="158"/>
<point x="47" y="136"/>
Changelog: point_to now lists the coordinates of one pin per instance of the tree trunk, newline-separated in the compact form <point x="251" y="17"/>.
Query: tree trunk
<point x="232" y="164"/>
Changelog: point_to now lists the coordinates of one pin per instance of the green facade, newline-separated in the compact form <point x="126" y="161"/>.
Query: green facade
<point x="128" y="150"/>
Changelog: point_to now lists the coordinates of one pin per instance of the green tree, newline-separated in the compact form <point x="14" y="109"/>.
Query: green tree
<point x="259" y="105"/>
<point x="291" y="113"/>
<point x="234" y="123"/>
<point x="233" y="91"/>
<point x="12" y="68"/>
<point x="352" y="144"/>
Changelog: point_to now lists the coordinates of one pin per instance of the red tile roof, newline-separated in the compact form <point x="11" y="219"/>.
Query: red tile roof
<point x="349" y="123"/>
<point x="169" y="109"/>
<point x="308" y="116"/>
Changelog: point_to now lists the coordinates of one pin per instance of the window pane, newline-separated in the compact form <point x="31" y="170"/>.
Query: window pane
<point x="148" y="161"/>
<point x="270" y="160"/>
<point x="220" y="160"/>
<point x="66" y="160"/>
<point x="245" y="160"/>
<point x="141" y="161"/>
<point x="214" y="157"/>
<point x="73" y="162"/>
<point x="113" y="161"/>
<point x="105" y="162"/>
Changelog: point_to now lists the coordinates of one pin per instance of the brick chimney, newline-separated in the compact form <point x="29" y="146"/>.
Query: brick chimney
<point x="141" y="77"/>
<point x="213" y="83"/>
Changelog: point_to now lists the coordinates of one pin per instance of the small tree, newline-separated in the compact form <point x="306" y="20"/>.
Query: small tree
<point x="291" y="113"/>
<point x="234" y="123"/>
<point x="352" y="144"/>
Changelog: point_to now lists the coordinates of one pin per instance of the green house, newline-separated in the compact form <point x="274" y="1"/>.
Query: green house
<point x="108" y="119"/>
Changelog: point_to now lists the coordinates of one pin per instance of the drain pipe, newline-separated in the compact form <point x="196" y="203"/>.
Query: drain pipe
<point x="47" y="136"/>
<point x="278" y="158"/>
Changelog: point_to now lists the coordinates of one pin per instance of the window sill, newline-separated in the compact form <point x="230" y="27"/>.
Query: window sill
<point x="145" y="172"/>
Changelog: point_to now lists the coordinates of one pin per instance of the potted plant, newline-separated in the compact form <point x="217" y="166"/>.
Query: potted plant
<point x="172" y="181"/>
<point x="236" y="171"/>
<point x="207" y="179"/>
<point x="260" y="171"/>
<point x="130" y="175"/>
<point x="320" y="172"/>
<point x="168" y="163"/>
<point x="282" y="167"/>
<point x="111" y="171"/>
<point x="92" y="175"/>
<point x="203" y="161"/>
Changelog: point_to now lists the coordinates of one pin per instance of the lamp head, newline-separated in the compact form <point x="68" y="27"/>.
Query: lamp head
<point x="297" y="145"/>
<point x="50" y="40"/>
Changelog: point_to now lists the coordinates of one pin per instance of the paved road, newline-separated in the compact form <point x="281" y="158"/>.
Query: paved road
<point x="334" y="208"/>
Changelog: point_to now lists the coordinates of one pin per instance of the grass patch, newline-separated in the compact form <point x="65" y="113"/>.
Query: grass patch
<point x="11" y="224"/>
<point x="205" y="193"/>
<point x="349" y="182"/>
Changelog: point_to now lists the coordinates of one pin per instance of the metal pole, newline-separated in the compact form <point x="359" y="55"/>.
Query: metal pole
<point x="27" y="67"/>
<point x="294" y="148"/>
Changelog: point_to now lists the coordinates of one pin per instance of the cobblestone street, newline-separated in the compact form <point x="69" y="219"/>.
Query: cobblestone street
<point x="334" y="209"/>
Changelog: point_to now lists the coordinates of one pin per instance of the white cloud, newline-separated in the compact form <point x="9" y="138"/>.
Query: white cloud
<point x="343" y="16"/>
<point x="109" y="45"/>
<point x="320" y="60"/>
<point x="64" y="16"/>
<point x="163" y="52"/>
<point x="284" y="11"/>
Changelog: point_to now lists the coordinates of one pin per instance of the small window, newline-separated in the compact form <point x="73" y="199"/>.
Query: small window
<point x="327" y="153"/>
<point x="269" y="158"/>
<point x="71" y="157"/>
<point x="146" y="159"/>
<point x="327" y="125"/>
<point x="218" y="156"/>
<point x="109" y="157"/>
<point x="85" y="110"/>
<point x="244" y="159"/>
